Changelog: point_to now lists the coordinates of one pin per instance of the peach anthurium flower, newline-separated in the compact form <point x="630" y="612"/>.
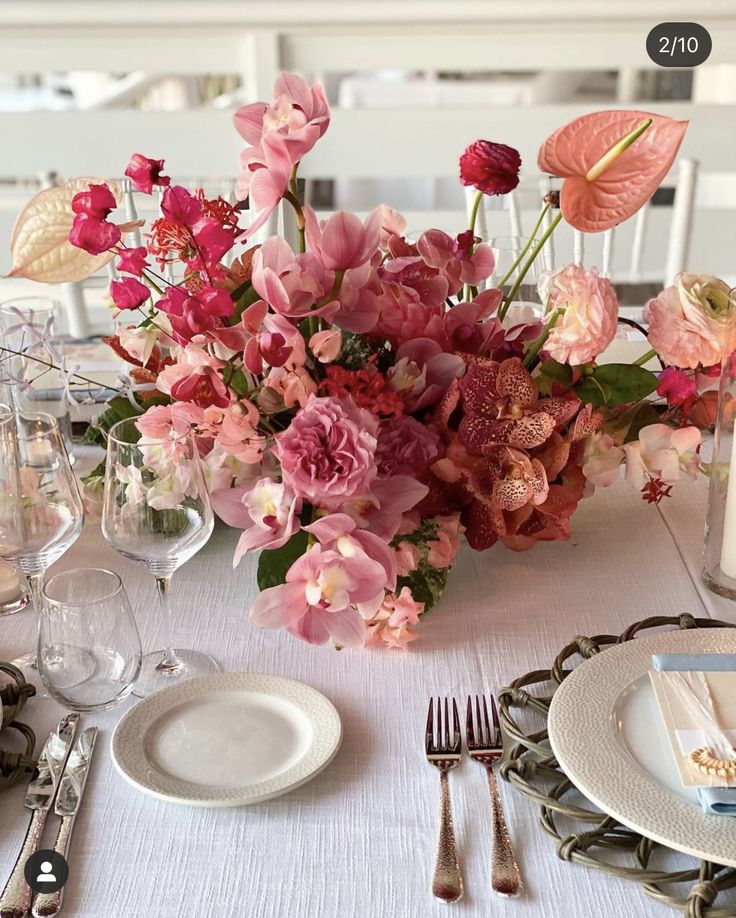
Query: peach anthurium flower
<point x="610" y="168"/>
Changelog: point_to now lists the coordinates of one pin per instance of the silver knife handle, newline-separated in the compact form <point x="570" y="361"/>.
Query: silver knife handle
<point x="15" y="901"/>
<point x="47" y="904"/>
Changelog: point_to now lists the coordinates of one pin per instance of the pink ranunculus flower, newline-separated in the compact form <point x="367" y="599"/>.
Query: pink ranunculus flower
<point x="133" y="261"/>
<point x="144" y="173"/>
<point x="676" y="386"/>
<point x="195" y="378"/>
<point x="463" y="260"/>
<point x="327" y="453"/>
<point x="94" y="236"/>
<point x="407" y="558"/>
<point x="129" y="293"/>
<point x="343" y="241"/>
<point x="268" y="514"/>
<point x="693" y="322"/>
<point x="326" y="345"/>
<point x="97" y="202"/>
<point x="320" y="598"/>
<point x="663" y="453"/>
<point x="406" y="447"/>
<point x="589" y="316"/>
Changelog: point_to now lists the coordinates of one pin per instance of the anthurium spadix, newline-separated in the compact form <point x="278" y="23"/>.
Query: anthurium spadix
<point x="612" y="163"/>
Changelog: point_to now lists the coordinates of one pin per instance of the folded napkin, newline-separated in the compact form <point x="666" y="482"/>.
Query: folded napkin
<point x="720" y="801"/>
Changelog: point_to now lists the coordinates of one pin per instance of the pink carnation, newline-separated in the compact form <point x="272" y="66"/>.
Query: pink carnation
<point x="587" y="324"/>
<point x="692" y="322"/>
<point x="327" y="453"/>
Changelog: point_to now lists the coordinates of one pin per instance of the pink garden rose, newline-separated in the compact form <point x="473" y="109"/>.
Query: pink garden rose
<point x="693" y="322"/>
<point x="327" y="453"/>
<point x="587" y="324"/>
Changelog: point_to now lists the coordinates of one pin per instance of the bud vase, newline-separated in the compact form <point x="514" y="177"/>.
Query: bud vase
<point x="719" y="560"/>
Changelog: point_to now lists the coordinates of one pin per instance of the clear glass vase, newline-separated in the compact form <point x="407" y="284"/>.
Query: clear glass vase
<point x="719" y="559"/>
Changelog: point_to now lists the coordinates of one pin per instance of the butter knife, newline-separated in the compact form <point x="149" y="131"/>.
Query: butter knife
<point x="68" y="801"/>
<point x="15" y="901"/>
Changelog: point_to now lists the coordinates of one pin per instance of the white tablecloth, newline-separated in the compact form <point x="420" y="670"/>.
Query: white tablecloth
<point x="360" y="839"/>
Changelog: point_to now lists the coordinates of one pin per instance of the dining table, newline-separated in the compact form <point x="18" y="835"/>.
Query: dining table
<point x="360" y="839"/>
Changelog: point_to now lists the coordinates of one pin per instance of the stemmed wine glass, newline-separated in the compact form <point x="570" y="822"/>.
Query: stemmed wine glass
<point x="41" y="510"/>
<point x="157" y="510"/>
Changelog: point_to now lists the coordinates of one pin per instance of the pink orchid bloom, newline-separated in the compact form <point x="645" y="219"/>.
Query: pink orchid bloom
<point x="343" y="241"/>
<point x="144" y="173"/>
<point x="423" y="371"/>
<point x="98" y="202"/>
<point x="359" y="302"/>
<point x="267" y="513"/>
<point x="326" y="345"/>
<point x="195" y="378"/>
<point x="403" y="317"/>
<point x="340" y="533"/>
<point x="298" y="111"/>
<point x="291" y="284"/>
<point x="429" y="285"/>
<point x="607" y="181"/>
<point x="383" y="510"/>
<point x="320" y="597"/>
<point x="264" y="180"/>
<point x="465" y="328"/>
<point x="129" y="293"/>
<point x="244" y="335"/>
<point x="463" y="260"/>
<point x="392" y="223"/>
<point x="94" y="236"/>
<point x="663" y="453"/>
<point x="195" y="315"/>
<point x="133" y="261"/>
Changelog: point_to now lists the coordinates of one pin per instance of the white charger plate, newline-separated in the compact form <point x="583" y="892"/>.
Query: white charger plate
<point x="227" y="739"/>
<point x="608" y="737"/>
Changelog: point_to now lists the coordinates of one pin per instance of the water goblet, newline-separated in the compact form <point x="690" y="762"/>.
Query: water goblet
<point x="89" y="649"/>
<point x="157" y="511"/>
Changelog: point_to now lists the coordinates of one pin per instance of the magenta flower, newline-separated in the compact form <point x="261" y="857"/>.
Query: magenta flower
<point x="96" y="203"/>
<point x="133" y="261"/>
<point x="195" y="378"/>
<point x="144" y="173"/>
<point x="320" y="598"/>
<point x="492" y="168"/>
<point x="129" y="293"/>
<point x="212" y="240"/>
<point x="195" y="315"/>
<point x="676" y="386"/>
<point x="94" y="236"/>
<point x="180" y="207"/>
<point x="344" y="240"/>
<point x="327" y="453"/>
<point x="267" y="513"/>
<point x="423" y="372"/>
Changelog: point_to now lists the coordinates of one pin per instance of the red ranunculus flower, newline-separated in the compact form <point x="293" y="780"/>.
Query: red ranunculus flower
<point x="492" y="168"/>
<point x="144" y="173"/>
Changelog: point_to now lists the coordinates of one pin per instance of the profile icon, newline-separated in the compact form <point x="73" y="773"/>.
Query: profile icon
<point x="46" y="871"/>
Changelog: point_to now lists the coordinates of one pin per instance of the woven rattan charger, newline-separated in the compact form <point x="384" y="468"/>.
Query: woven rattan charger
<point x="14" y="692"/>
<point x="598" y="840"/>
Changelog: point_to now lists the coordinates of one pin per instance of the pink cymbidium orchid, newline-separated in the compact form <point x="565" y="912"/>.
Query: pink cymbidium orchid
<point x="344" y="240"/>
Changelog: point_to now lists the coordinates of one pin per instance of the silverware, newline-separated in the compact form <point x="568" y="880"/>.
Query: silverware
<point x="68" y="801"/>
<point x="444" y="754"/>
<point x="15" y="900"/>
<point x="485" y="746"/>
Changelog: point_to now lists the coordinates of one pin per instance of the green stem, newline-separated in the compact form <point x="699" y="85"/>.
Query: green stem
<point x="298" y="207"/>
<point x="531" y="354"/>
<point x="523" y="272"/>
<point x="523" y="252"/>
<point x="474" y="210"/>
<point x="645" y="358"/>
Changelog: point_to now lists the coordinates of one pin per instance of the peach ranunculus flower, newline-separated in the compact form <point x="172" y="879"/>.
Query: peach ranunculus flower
<point x="692" y="322"/>
<point x="587" y="323"/>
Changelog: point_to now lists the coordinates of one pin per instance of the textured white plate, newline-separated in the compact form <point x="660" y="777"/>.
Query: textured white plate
<point x="608" y="738"/>
<point x="227" y="739"/>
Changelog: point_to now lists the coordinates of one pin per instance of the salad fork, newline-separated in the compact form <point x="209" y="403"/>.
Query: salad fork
<point x="444" y="753"/>
<point x="485" y="746"/>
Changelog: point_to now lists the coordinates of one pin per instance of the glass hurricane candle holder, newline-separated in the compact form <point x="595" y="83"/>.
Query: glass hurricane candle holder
<point x="719" y="559"/>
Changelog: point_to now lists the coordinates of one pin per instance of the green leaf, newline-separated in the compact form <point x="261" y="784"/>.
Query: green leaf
<point x="426" y="584"/>
<point x="616" y="384"/>
<point x="551" y="372"/>
<point x="274" y="563"/>
<point x="242" y="301"/>
<point x="118" y="409"/>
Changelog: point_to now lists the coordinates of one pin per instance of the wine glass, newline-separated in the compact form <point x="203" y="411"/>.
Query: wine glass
<point x="157" y="510"/>
<point x="89" y="649"/>
<point x="41" y="511"/>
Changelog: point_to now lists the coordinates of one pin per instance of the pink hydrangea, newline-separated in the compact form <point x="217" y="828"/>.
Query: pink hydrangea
<point x="327" y="453"/>
<point x="692" y="323"/>
<point x="406" y="447"/>
<point x="587" y="324"/>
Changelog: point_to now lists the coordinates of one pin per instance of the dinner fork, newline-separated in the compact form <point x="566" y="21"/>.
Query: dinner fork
<point x="444" y="754"/>
<point x="485" y="746"/>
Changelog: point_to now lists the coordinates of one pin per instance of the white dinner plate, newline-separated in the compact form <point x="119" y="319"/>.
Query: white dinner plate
<point x="227" y="739"/>
<point x="607" y="735"/>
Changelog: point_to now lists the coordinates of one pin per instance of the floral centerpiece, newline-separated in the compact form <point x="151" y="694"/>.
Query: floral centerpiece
<point x="362" y="402"/>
